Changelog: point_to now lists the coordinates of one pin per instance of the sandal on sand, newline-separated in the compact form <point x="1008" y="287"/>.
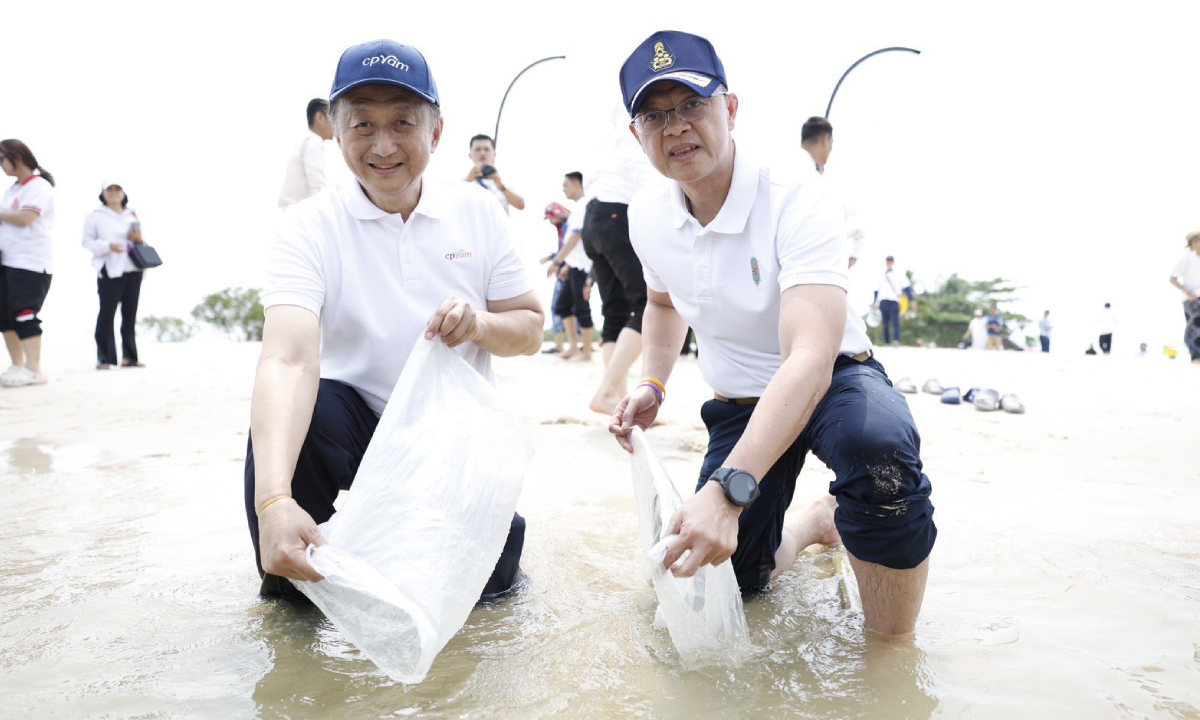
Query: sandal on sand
<point x="126" y="363"/>
<point x="19" y="377"/>
<point x="906" y="386"/>
<point x="969" y="396"/>
<point x="1012" y="404"/>
<point x="103" y="366"/>
<point x="951" y="396"/>
<point x="987" y="400"/>
<point x="933" y="387"/>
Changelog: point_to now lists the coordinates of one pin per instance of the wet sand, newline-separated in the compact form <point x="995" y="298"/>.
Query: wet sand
<point x="1065" y="582"/>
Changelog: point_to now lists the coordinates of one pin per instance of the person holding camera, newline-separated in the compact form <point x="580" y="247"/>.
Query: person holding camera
<point x="484" y="173"/>
<point x="108" y="232"/>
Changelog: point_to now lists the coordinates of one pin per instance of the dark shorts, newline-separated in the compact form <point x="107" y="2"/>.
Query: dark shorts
<point x="22" y="293"/>
<point x="570" y="302"/>
<point x="616" y="266"/>
<point x="863" y="431"/>
<point x="341" y="428"/>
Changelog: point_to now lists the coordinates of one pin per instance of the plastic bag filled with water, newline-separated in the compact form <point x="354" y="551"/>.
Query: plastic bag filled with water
<point x="703" y="613"/>
<point x="421" y="529"/>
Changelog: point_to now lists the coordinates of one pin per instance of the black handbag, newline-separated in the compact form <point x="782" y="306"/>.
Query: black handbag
<point x="144" y="256"/>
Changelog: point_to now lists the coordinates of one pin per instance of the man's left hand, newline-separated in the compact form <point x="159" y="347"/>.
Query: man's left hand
<point x="707" y="524"/>
<point x="495" y="177"/>
<point x="455" y="321"/>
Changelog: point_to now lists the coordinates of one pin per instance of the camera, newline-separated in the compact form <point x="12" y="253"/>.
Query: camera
<point x="487" y="170"/>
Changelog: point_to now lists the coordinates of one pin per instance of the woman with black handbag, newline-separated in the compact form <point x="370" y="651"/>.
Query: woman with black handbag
<point x="110" y="232"/>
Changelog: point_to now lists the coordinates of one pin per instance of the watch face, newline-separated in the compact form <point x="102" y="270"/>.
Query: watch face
<point x="742" y="487"/>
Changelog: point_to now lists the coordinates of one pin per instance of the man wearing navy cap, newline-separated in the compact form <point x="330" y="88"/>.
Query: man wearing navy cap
<point x="354" y="277"/>
<point x="758" y="269"/>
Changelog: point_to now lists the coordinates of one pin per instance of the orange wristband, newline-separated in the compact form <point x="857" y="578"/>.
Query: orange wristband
<point x="277" y="498"/>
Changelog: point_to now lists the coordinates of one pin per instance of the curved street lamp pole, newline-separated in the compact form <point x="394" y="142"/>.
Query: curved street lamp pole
<point x="496" y="134"/>
<point x="858" y="62"/>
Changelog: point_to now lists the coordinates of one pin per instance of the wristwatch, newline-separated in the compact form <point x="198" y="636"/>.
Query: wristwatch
<point x="740" y="487"/>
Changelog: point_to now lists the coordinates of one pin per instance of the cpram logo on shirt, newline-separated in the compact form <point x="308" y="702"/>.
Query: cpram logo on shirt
<point x="460" y="255"/>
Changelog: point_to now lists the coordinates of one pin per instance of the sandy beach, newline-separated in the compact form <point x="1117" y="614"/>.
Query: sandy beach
<point x="1065" y="582"/>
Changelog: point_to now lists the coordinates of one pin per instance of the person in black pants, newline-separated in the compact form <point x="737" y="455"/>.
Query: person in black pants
<point x="109" y="232"/>
<point x="618" y="273"/>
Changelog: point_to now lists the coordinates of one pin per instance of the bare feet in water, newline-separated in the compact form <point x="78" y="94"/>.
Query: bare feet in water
<point x="810" y="525"/>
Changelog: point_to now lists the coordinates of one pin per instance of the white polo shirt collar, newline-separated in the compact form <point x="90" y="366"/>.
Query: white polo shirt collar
<point x="434" y="202"/>
<point x="732" y="218"/>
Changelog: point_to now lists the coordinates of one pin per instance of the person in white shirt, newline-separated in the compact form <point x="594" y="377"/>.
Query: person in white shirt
<point x="1108" y="323"/>
<point x="891" y="286"/>
<point x="108" y="232"/>
<point x="482" y="151"/>
<point x="305" y="173"/>
<point x="816" y="137"/>
<point x="758" y="269"/>
<point x="26" y="261"/>
<point x="1186" y="278"/>
<point x="1044" y="328"/>
<point x="354" y="277"/>
<point x="977" y="331"/>
<point x="572" y="264"/>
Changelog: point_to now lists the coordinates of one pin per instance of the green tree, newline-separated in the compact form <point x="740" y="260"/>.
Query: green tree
<point x="943" y="314"/>
<point x="237" y="311"/>
<point x="167" y="329"/>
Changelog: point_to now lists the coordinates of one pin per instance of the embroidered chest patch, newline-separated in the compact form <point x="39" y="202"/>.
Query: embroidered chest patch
<point x="755" y="272"/>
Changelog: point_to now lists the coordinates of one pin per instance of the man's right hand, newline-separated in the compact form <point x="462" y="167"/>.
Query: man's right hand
<point x="639" y="408"/>
<point x="475" y="174"/>
<point x="285" y="531"/>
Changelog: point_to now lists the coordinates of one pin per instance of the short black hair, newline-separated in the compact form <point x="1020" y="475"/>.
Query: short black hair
<point x="576" y="176"/>
<point x="124" y="201"/>
<point x="481" y="136"/>
<point x="815" y="128"/>
<point x="317" y="105"/>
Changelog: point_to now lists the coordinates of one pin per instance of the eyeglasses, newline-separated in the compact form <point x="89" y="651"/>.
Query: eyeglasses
<point x="691" y="109"/>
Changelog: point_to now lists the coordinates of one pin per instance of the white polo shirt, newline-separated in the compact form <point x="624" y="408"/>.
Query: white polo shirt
<point x="491" y="186"/>
<point x="101" y="228"/>
<point x="375" y="280"/>
<point x="726" y="279"/>
<point x="305" y="173"/>
<point x="31" y="247"/>
<point x="578" y="258"/>
<point x="1187" y="272"/>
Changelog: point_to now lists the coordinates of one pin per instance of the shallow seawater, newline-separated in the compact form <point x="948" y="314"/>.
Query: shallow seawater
<point x="128" y="591"/>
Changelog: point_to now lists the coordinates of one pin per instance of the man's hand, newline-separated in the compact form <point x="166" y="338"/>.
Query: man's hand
<point x="475" y="174"/>
<point x="495" y="177"/>
<point x="455" y="321"/>
<point x="284" y="533"/>
<point x="553" y="269"/>
<point x="639" y="408"/>
<point x="134" y="235"/>
<point x="707" y="524"/>
<point x="117" y="247"/>
<point x="1192" y="296"/>
<point x="564" y="272"/>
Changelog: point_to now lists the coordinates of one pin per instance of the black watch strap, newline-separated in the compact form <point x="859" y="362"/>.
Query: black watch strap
<point x="740" y="487"/>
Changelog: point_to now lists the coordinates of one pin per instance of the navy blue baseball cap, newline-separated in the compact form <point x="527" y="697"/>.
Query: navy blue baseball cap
<point x="669" y="55"/>
<point x="385" y="62"/>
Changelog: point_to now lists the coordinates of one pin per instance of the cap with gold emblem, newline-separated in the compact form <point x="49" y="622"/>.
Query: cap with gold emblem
<point x="668" y="55"/>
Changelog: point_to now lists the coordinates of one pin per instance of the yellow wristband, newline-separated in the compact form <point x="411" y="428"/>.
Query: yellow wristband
<point x="267" y="504"/>
<point x="655" y="382"/>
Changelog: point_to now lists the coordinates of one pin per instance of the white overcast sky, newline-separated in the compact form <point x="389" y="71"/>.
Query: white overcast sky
<point x="1056" y="144"/>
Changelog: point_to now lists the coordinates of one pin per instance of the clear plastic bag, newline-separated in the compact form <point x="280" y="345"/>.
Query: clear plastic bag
<point x="420" y="532"/>
<point x="703" y="613"/>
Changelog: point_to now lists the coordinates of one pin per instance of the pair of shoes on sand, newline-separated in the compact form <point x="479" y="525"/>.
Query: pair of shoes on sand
<point x="18" y="377"/>
<point x="985" y="400"/>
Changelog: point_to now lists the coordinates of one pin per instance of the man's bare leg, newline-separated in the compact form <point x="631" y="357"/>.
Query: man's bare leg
<point x="803" y="527"/>
<point x="569" y="327"/>
<point x="558" y="342"/>
<point x="615" y="384"/>
<point x="606" y="351"/>
<point x="585" y="343"/>
<point x="15" y="350"/>
<point x="891" y="598"/>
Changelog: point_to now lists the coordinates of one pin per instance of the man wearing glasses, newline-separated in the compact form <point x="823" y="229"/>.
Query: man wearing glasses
<point x="758" y="269"/>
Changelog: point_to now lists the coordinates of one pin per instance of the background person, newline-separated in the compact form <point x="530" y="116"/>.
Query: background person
<point x="573" y="267"/>
<point x="977" y="331"/>
<point x="305" y="173"/>
<point x="995" y="329"/>
<point x="1108" y="323"/>
<point x="557" y="215"/>
<point x="26" y="261"/>
<point x="1044" y="328"/>
<point x="816" y="137"/>
<point x="484" y="173"/>
<point x="1186" y="277"/>
<point x="108" y="232"/>
<point x="887" y="299"/>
